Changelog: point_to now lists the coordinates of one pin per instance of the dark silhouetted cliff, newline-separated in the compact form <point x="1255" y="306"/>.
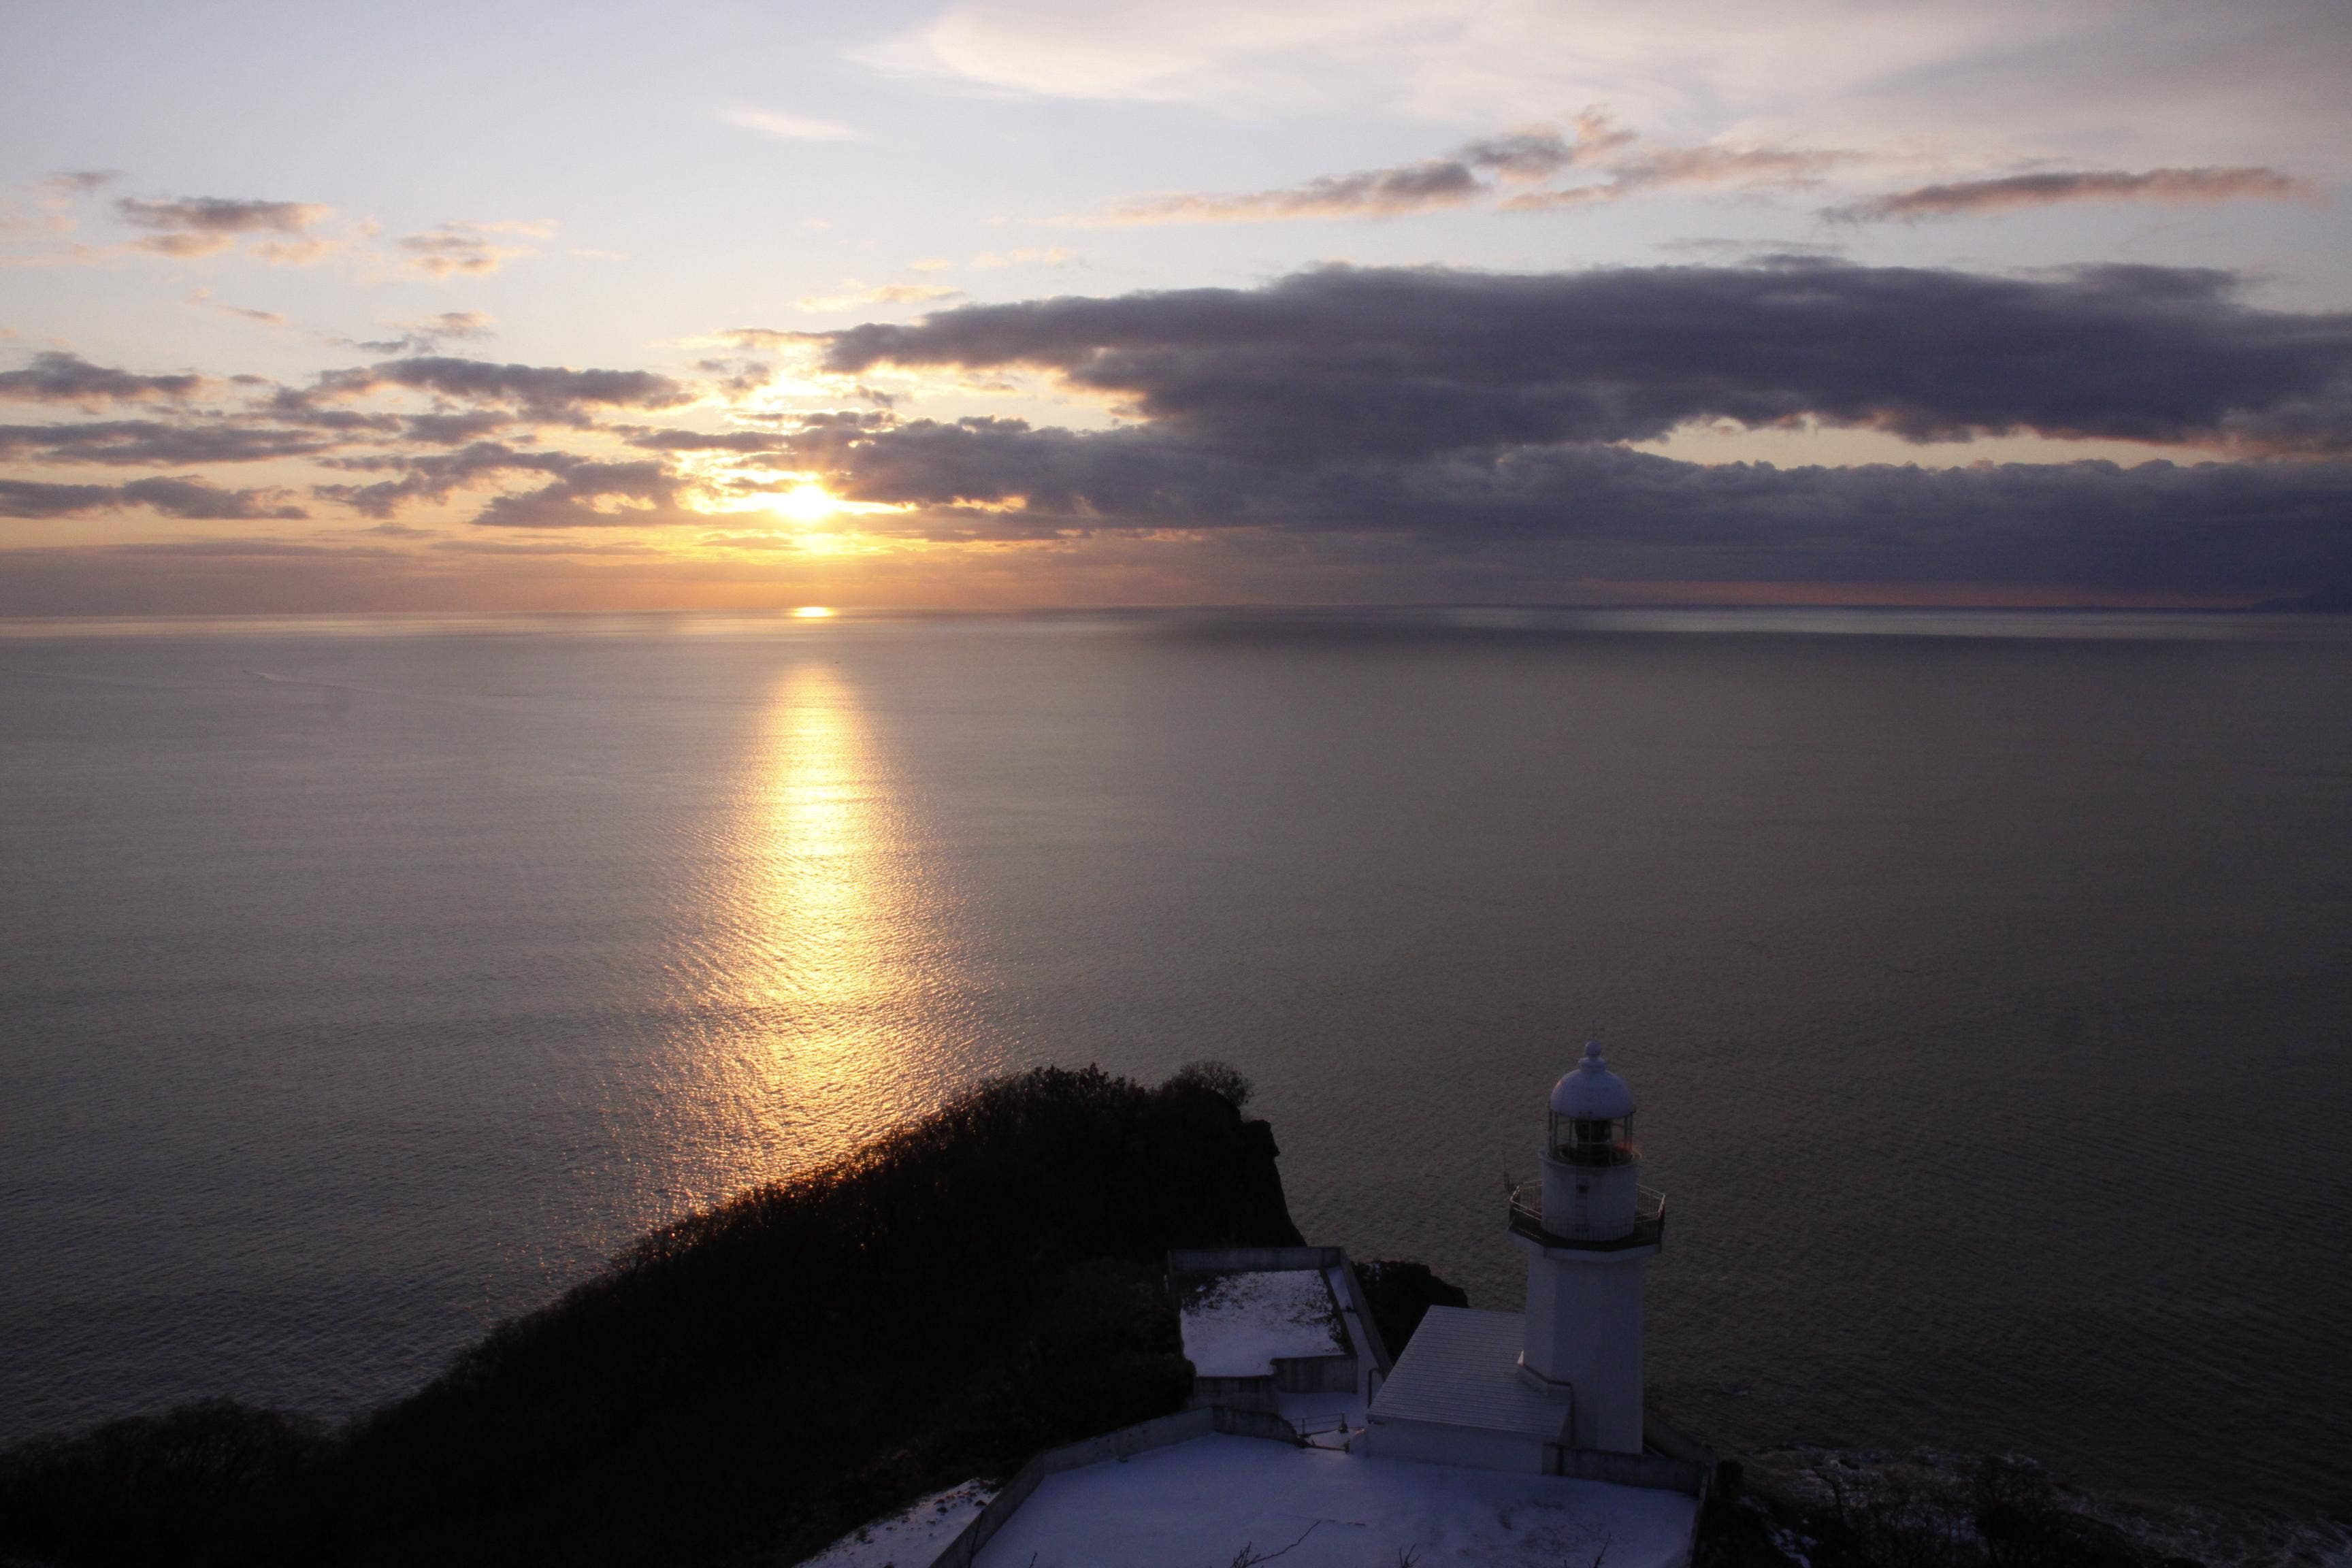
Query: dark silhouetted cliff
<point x="746" y="1383"/>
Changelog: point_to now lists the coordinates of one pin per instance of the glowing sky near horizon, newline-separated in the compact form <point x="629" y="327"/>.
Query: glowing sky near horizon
<point x="314" y="307"/>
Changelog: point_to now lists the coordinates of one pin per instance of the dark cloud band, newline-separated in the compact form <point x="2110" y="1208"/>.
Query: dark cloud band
<point x="125" y="442"/>
<point x="191" y="498"/>
<point x="1453" y="413"/>
<point x="542" y="391"/>
<point x="55" y="377"/>
<point x="1401" y="362"/>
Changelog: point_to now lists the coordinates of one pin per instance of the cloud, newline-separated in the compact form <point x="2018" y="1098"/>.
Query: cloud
<point x="541" y="391"/>
<point x="184" y="498"/>
<point x="189" y="226"/>
<point x="1589" y="510"/>
<point x="854" y="295"/>
<point x="467" y="249"/>
<point x="596" y="495"/>
<point x="1480" y="170"/>
<point x="59" y="377"/>
<point x="1659" y="168"/>
<point x="1447" y="427"/>
<point x="294" y="252"/>
<point x="1433" y="184"/>
<point x="707" y="441"/>
<point x="429" y="333"/>
<point x="217" y="215"/>
<point x="1456" y="414"/>
<point x="436" y="476"/>
<point x="186" y="246"/>
<point x="49" y="212"/>
<point x="143" y="442"/>
<point x="2174" y="185"/>
<point x="1539" y="152"/>
<point x="467" y="324"/>
<point x="203" y="300"/>
<point x="789" y="127"/>
<point x="455" y="429"/>
<point x="73" y="182"/>
<point x="1425" y="360"/>
<point x="767" y="338"/>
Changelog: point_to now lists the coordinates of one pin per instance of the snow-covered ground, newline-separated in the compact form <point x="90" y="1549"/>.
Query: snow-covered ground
<point x="1201" y="1504"/>
<point x="1238" y="1323"/>
<point x="912" y="1537"/>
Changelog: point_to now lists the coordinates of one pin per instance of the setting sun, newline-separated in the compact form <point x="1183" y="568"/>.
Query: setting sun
<point x="813" y="613"/>
<point x="806" y="503"/>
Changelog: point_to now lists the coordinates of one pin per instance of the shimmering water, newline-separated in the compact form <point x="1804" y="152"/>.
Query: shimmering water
<point x="1987" y="981"/>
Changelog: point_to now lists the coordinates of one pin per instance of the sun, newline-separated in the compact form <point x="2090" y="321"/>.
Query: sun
<point x="807" y="502"/>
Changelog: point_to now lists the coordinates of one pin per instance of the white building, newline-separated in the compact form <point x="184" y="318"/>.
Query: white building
<point x="1550" y="1390"/>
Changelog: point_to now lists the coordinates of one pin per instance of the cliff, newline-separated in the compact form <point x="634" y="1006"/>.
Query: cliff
<point x="747" y="1382"/>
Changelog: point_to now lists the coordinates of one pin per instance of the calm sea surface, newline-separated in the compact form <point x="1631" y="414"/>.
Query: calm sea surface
<point x="1985" y="981"/>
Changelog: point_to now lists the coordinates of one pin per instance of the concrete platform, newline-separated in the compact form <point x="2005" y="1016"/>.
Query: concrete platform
<point x="1204" y="1501"/>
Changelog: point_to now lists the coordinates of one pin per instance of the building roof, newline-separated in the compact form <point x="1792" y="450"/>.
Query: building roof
<point x="1462" y="1369"/>
<point x="1591" y="1092"/>
<point x="1238" y="1324"/>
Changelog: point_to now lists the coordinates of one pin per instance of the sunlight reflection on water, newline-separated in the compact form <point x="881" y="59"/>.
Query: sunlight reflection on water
<point x="812" y="1002"/>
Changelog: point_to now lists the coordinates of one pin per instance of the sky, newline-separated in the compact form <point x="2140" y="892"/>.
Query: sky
<point x="1001" y="304"/>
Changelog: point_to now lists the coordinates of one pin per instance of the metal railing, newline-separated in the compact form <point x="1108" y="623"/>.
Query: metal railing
<point x="1649" y="1221"/>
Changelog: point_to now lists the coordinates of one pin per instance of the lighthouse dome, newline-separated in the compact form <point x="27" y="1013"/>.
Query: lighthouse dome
<point x="1591" y="1092"/>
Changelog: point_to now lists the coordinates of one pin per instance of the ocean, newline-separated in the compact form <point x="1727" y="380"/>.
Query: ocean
<point x="1985" y="980"/>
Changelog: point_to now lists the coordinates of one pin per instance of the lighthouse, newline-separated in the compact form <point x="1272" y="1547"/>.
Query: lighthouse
<point x="1556" y="1389"/>
<point x="1589" y="1236"/>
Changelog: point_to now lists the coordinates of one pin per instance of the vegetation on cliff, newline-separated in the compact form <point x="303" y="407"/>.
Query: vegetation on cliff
<point x="1399" y="1295"/>
<point x="747" y="1382"/>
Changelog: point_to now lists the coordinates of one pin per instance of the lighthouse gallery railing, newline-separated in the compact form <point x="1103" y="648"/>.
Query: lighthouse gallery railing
<point x="1649" y="1221"/>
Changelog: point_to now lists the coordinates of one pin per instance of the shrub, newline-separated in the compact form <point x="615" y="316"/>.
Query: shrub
<point x="1220" y="1079"/>
<point x="1400" y="1294"/>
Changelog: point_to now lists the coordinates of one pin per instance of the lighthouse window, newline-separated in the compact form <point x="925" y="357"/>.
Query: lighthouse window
<point x="1591" y="1140"/>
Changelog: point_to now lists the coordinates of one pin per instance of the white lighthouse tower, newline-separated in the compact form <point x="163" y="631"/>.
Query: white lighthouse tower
<point x="1555" y="1390"/>
<point x="1588" y="1242"/>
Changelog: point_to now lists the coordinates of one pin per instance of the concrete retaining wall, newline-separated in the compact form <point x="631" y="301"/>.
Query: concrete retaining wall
<point x="1359" y="1313"/>
<point x="1429" y="1444"/>
<point x="1238" y="1392"/>
<point x="1252" y="1259"/>
<point x="1312" y="1374"/>
<point x="1653" y="1470"/>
